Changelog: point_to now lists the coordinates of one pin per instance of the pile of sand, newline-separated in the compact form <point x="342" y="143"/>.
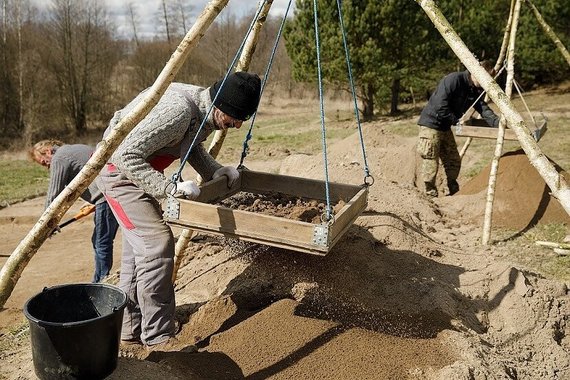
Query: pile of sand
<point x="522" y="198"/>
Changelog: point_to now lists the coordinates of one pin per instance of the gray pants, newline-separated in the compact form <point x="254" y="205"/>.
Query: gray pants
<point x="147" y="261"/>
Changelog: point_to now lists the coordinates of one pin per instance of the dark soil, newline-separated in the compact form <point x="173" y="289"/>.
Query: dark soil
<point x="281" y="205"/>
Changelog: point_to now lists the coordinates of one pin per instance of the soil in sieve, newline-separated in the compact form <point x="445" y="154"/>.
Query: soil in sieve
<point x="281" y="205"/>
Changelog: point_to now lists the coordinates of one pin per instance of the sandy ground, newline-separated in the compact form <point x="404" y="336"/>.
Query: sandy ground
<point x="407" y="293"/>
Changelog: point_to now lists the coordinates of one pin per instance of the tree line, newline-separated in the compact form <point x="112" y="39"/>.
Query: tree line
<point x="398" y="55"/>
<point x="64" y="70"/>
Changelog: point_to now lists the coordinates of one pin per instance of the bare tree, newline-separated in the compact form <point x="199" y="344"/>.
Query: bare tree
<point x="83" y="56"/>
<point x="4" y="49"/>
<point x="9" y="108"/>
<point x="182" y="10"/>
<point x="12" y="71"/>
<point x="223" y="42"/>
<point x="18" y="10"/>
<point x="133" y="17"/>
<point x="166" y="18"/>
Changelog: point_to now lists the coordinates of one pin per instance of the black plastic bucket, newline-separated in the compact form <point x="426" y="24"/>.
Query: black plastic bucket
<point x="75" y="330"/>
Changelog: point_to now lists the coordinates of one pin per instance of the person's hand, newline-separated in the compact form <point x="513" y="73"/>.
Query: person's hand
<point x="187" y="189"/>
<point x="230" y="172"/>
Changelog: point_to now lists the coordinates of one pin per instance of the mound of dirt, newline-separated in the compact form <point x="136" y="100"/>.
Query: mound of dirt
<point x="407" y="293"/>
<point x="522" y="198"/>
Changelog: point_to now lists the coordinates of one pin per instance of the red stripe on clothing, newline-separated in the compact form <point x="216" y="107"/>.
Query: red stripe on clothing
<point x="161" y="162"/>
<point x="120" y="213"/>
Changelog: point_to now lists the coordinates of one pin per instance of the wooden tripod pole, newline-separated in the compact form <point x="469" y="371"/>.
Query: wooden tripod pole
<point x="487" y="222"/>
<point x="13" y="268"/>
<point x="549" y="32"/>
<point x="220" y="135"/>
<point x="556" y="182"/>
<point x="497" y="67"/>
<point x="243" y="65"/>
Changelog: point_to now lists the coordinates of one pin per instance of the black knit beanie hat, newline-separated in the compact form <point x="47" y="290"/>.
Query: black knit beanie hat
<point x="239" y="97"/>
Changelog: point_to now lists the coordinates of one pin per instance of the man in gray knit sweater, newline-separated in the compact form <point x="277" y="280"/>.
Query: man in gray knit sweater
<point x="64" y="163"/>
<point x="134" y="184"/>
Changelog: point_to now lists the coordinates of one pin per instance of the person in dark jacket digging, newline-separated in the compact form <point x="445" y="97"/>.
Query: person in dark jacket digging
<point x="454" y="95"/>
<point x="134" y="184"/>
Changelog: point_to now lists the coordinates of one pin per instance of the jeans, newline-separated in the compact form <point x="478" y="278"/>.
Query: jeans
<point x="103" y="235"/>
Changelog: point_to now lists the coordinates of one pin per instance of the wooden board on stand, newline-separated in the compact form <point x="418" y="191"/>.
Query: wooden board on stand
<point x="478" y="128"/>
<point x="205" y="216"/>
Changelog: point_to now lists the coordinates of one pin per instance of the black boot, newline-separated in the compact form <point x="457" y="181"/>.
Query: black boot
<point x="431" y="190"/>
<point x="453" y="187"/>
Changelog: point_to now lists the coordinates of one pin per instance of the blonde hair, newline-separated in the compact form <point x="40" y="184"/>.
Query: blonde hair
<point x="42" y="147"/>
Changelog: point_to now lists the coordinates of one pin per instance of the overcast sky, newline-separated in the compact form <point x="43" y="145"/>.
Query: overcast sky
<point x="148" y="12"/>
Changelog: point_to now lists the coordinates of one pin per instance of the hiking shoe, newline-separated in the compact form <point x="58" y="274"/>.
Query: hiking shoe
<point x="431" y="193"/>
<point x="453" y="187"/>
<point x="130" y="348"/>
<point x="431" y="190"/>
<point x="171" y="344"/>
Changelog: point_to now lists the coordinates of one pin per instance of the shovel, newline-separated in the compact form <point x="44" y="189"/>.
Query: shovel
<point x="84" y="211"/>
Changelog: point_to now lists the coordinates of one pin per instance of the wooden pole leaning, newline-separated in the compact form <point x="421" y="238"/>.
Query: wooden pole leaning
<point x="549" y="32"/>
<point x="220" y="135"/>
<point x="487" y="221"/>
<point x="243" y="65"/>
<point x="14" y="266"/>
<point x="497" y="67"/>
<point x="557" y="183"/>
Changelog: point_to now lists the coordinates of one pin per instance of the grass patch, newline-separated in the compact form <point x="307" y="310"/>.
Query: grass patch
<point x="554" y="232"/>
<point x="523" y="250"/>
<point x="407" y="128"/>
<point x="21" y="180"/>
<point x="300" y="133"/>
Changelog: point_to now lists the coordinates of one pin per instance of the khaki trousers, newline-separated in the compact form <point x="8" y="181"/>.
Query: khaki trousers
<point x="433" y="146"/>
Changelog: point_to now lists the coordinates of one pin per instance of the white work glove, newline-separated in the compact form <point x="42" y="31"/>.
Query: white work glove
<point x="230" y="172"/>
<point x="188" y="189"/>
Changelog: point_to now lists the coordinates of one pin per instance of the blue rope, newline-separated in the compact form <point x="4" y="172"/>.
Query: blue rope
<point x="350" y="78"/>
<point x="249" y="134"/>
<point x="176" y="176"/>
<point x="322" y="108"/>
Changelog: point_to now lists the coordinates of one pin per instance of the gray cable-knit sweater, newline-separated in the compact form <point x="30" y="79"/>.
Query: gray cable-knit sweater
<point x="66" y="162"/>
<point x="165" y="135"/>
